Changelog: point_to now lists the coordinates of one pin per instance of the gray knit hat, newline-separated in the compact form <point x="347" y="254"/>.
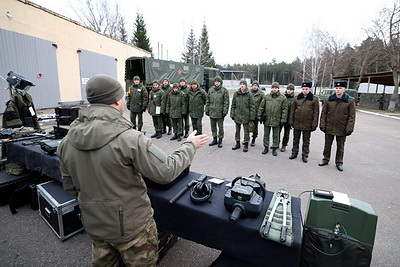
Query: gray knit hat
<point x="103" y="89"/>
<point x="243" y="81"/>
<point x="290" y="86"/>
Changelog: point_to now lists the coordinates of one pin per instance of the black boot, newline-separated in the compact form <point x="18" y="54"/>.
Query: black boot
<point x="140" y="129"/>
<point x="253" y="141"/>
<point x="169" y="130"/>
<point x="274" y="153"/>
<point x="164" y="130"/>
<point x="246" y="147"/>
<point x="179" y="137"/>
<point x="159" y="135"/>
<point x="214" y="142"/>
<point x="174" y="137"/>
<point x="220" y="142"/>
<point x="154" y="135"/>
<point x="265" y="151"/>
<point x="236" y="146"/>
<point x="186" y="134"/>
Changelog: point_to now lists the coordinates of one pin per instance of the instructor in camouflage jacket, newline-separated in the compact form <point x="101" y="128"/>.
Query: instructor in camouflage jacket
<point x="103" y="161"/>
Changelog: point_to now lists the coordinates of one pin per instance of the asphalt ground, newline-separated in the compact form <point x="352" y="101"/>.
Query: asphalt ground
<point x="371" y="174"/>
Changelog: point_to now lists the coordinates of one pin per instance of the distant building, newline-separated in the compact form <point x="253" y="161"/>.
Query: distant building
<point x="56" y="53"/>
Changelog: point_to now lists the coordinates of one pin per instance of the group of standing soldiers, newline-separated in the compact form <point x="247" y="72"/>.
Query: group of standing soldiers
<point x="171" y="108"/>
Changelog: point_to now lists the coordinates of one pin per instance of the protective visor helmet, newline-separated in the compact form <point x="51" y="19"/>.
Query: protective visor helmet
<point x="19" y="83"/>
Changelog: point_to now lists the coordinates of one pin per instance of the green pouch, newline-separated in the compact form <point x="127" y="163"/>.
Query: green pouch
<point x="275" y="226"/>
<point x="14" y="168"/>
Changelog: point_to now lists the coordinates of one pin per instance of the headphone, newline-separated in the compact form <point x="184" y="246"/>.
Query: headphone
<point x="201" y="192"/>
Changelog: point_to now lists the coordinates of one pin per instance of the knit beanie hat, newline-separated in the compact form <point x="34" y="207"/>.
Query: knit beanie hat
<point x="218" y="79"/>
<point x="275" y="85"/>
<point x="103" y="89"/>
<point x="175" y="85"/>
<point x="182" y="80"/>
<point x="255" y="82"/>
<point x="244" y="82"/>
<point x="136" y="78"/>
<point x="290" y="86"/>
<point x="195" y="82"/>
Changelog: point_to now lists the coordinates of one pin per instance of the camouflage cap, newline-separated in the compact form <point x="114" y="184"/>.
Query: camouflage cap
<point x="175" y="85"/>
<point x="218" y="79"/>
<point x="155" y="81"/>
<point x="136" y="78"/>
<point x="182" y="80"/>
<point x="290" y="86"/>
<point x="243" y="81"/>
<point x="194" y="82"/>
<point x="255" y="82"/>
<point x="275" y="85"/>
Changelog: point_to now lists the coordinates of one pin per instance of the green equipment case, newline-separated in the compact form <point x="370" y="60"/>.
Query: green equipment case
<point x="338" y="231"/>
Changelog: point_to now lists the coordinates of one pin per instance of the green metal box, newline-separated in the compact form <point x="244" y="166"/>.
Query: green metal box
<point x="357" y="217"/>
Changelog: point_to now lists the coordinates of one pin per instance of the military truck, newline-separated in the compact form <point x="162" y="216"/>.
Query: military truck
<point x="150" y="69"/>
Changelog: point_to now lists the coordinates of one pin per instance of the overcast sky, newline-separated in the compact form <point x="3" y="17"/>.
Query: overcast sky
<point x="243" y="31"/>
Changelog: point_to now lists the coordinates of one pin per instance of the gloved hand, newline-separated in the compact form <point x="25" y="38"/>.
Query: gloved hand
<point x="348" y="133"/>
<point x="322" y="129"/>
<point x="290" y="126"/>
<point x="223" y="115"/>
<point x="313" y="128"/>
<point x="208" y="113"/>
<point x="128" y="107"/>
<point x="143" y="109"/>
<point x="184" y="116"/>
<point x="281" y="124"/>
<point x="233" y="118"/>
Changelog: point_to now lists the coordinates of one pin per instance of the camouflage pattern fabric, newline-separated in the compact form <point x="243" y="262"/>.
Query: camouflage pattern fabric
<point x="141" y="251"/>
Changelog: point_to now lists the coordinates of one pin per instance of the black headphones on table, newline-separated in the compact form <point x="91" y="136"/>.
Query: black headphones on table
<point x="201" y="192"/>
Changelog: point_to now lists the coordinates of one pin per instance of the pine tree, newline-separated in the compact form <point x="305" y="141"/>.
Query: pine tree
<point x="190" y="55"/>
<point x="203" y="49"/>
<point x="140" y="38"/>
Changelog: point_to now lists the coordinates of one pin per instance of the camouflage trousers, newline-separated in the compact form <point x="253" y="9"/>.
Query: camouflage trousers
<point x="140" y="119"/>
<point x="140" y="251"/>
<point x="197" y="125"/>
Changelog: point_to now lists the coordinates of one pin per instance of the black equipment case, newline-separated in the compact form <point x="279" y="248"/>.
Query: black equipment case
<point x="59" y="209"/>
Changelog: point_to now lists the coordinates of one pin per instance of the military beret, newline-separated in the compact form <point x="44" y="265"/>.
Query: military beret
<point x="290" y="86"/>
<point x="340" y="84"/>
<point x="243" y="81"/>
<point x="255" y="82"/>
<point x="103" y="89"/>
<point x="136" y="78"/>
<point x="218" y="79"/>
<point x="275" y="85"/>
<point x="306" y="84"/>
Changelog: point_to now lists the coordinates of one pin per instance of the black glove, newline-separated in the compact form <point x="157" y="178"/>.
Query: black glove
<point x="208" y="113"/>
<point x="128" y="107"/>
<point x="348" y="133"/>
<point x="223" y="115"/>
<point x="233" y="118"/>
<point x="281" y="124"/>
<point x="143" y="109"/>
<point x="290" y="126"/>
<point x="322" y="129"/>
<point x="255" y="122"/>
<point x="313" y="128"/>
<point x="261" y="121"/>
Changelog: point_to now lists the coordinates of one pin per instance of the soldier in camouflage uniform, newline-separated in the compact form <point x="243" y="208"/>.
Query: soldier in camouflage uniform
<point x="273" y="113"/>
<point x="286" y="126"/>
<point x="217" y="106"/>
<point x="197" y="100"/>
<point x="258" y="96"/>
<point x="102" y="163"/>
<point x="165" y="118"/>
<point x="136" y="102"/>
<point x="242" y="113"/>
<point x="156" y="108"/>
<point x="176" y="108"/>
<point x="185" y="120"/>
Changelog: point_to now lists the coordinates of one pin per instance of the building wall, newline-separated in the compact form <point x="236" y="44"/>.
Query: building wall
<point x="69" y="37"/>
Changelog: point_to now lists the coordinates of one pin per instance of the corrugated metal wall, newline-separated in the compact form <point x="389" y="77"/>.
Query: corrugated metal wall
<point x="93" y="63"/>
<point x="30" y="56"/>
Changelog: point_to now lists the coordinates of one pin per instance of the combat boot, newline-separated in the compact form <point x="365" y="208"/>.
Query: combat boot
<point x="265" y="151"/>
<point x="214" y="142"/>
<point x="140" y="129"/>
<point x="174" y="137"/>
<point x="186" y="134"/>
<point x="159" y="135"/>
<point x="169" y="130"/>
<point x="164" y="130"/>
<point x="274" y="153"/>
<point x="236" y="146"/>
<point x="253" y="141"/>
<point x="154" y="135"/>
<point x="220" y="142"/>
<point x="246" y="147"/>
<point x="283" y="148"/>
<point x="179" y="138"/>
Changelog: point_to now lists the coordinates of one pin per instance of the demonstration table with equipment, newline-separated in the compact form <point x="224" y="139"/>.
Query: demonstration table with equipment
<point x="205" y="223"/>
